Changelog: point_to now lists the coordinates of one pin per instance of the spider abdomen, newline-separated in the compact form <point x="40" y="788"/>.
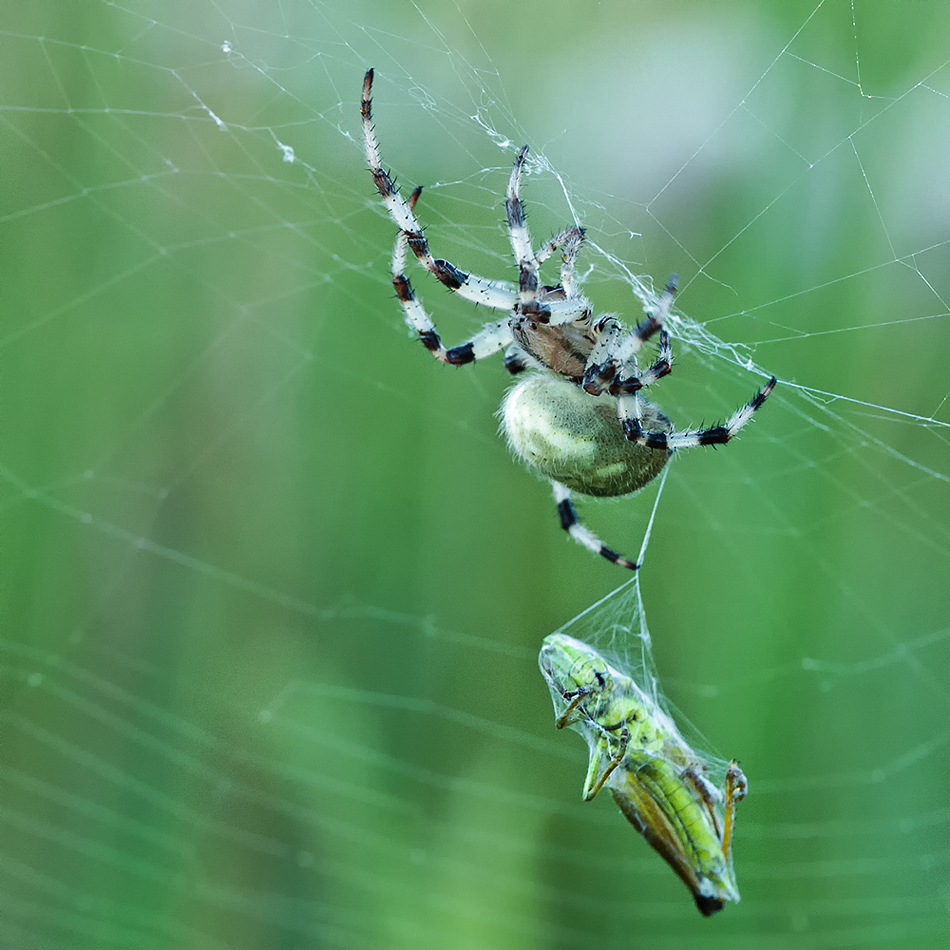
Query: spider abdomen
<point x="562" y="432"/>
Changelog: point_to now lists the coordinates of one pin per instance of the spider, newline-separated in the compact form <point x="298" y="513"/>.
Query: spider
<point x="579" y="419"/>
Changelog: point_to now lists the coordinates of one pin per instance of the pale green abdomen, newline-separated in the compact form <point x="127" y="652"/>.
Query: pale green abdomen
<point x="562" y="432"/>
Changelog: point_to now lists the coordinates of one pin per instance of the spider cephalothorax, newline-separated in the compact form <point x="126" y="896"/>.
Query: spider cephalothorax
<point x="579" y="419"/>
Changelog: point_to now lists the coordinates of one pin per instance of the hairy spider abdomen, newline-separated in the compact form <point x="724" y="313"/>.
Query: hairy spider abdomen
<point x="564" y="433"/>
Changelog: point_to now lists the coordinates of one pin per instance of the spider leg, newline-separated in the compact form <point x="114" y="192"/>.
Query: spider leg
<point x="520" y="239"/>
<point x="605" y="366"/>
<point x="491" y="338"/>
<point x="625" y="388"/>
<point x="499" y="295"/>
<point x="668" y="441"/>
<point x="580" y="533"/>
<point x="569" y="258"/>
<point x="607" y="331"/>
<point x="569" y="237"/>
<point x="552" y="311"/>
<point x="569" y="243"/>
<point x="555" y="312"/>
<point x="516" y="360"/>
<point x="654" y="322"/>
<point x="625" y="384"/>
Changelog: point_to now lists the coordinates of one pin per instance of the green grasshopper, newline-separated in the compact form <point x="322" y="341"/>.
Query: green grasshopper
<point x="656" y="779"/>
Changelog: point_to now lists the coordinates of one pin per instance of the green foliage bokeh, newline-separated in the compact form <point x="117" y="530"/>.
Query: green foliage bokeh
<point x="272" y="587"/>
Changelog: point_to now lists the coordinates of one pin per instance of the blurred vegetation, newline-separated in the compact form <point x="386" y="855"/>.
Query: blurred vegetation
<point x="273" y="589"/>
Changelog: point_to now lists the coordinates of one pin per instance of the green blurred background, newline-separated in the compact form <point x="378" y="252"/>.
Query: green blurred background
<point x="273" y="589"/>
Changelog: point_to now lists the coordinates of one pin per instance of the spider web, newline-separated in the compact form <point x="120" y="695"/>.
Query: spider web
<point x="274" y="590"/>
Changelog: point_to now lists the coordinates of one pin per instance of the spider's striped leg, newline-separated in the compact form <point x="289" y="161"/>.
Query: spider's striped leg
<point x="569" y="239"/>
<point x="715" y="435"/>
<point x="606" y="329"/>
<point x="625" y="388"/>
<point x="516" y="360"/>
<point x="563" y="304"/>
<point x="497" y="294"/>
<point x="520" y="238"/>
<point x="580" y="533"/>
<point x="625" y="384"/>
<point x="569" y="310"/>
<point x="569" y="259"/>
<point x="569" y="243"/>
<point x="604" y="369"/>
<point x="491" y="338"/>
<point x="631" y="418"/>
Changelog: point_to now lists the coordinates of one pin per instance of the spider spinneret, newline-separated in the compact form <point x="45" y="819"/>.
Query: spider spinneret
<point x="579" y="419"/>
